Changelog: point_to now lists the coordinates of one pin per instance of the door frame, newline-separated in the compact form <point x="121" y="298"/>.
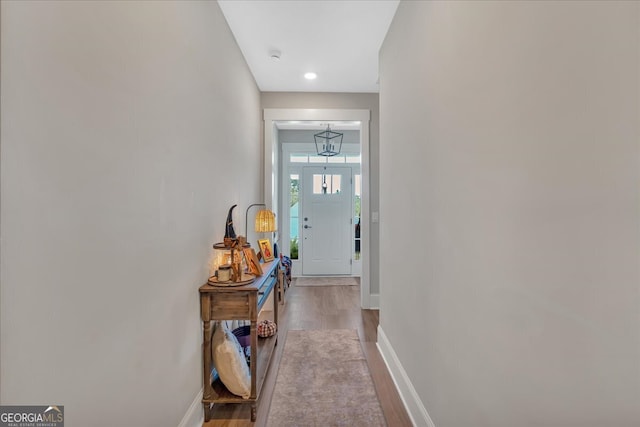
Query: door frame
<point x="272" y="164"/>
<point x="286" y="169"/>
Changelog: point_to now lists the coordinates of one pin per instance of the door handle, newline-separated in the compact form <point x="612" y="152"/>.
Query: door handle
<point x="307" y="226"/>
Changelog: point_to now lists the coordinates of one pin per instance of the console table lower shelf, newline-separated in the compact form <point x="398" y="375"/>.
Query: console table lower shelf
<point x="238" y="303"/>
<point x="220" y="394"/>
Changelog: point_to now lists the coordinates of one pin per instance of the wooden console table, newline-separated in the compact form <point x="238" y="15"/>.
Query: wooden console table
<point x="238" y="303"/>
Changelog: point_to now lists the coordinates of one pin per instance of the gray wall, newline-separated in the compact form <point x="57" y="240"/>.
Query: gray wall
<point x="364" y="101"/>
<point x="123" y="137"/>
<point x="515" y="127"/>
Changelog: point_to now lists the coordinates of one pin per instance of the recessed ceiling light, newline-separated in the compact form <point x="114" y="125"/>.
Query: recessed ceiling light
<point x="310" y="76"/>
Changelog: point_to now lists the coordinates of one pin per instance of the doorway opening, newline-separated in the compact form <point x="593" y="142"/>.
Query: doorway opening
<point x="353" y="177"/>
<point x="321" y="206"/>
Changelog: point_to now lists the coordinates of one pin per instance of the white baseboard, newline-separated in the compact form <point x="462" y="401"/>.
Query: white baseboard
<point x="413" y="404"/>
<point x="374" y="301"/>
<point x="195" y="415"/>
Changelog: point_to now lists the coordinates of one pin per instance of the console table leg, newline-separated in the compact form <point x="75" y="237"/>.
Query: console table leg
<point x="206" y="374"/>
<point x="207" y="411"/>
<point x="253" y="413"/>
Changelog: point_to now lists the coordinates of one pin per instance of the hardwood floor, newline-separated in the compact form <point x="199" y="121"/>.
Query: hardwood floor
<point x="321" y="307"/>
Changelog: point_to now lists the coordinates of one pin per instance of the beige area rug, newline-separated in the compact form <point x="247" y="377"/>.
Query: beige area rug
<point x="326" y="281"/>
<point x="323" y="380"/>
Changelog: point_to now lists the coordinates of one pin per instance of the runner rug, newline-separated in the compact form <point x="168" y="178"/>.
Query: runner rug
<point x="326" y="281"/>
<point x="324" y="380"/>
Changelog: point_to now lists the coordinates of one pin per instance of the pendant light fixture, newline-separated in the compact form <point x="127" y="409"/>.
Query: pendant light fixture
<point x="328" y="143"/>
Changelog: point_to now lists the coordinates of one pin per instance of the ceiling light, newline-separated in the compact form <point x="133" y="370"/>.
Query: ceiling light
<point x="328" y="143"/>
<point x="310" y="76"/>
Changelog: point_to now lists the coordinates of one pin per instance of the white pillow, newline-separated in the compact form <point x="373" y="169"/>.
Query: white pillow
<point x="229" y="360"/>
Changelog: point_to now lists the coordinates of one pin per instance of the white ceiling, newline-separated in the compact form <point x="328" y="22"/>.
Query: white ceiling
<point x="339" y="40"/>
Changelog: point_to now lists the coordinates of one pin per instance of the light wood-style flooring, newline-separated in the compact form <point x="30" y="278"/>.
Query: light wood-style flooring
<point x="321" y="307"/>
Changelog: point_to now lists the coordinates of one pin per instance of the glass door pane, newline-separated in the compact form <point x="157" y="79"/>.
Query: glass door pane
<point x="356" y="220"/>
<point x="294" y="187"/>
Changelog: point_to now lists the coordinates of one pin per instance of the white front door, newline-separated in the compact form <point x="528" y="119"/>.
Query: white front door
<point x="326" y="220"/>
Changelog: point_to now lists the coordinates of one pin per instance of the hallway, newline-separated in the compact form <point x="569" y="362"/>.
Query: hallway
<point x="322" y="307"/>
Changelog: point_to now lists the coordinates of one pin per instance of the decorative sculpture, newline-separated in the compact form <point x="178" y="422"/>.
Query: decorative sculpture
<point x="229" y="232"/>
<point x="230" y="256"/>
